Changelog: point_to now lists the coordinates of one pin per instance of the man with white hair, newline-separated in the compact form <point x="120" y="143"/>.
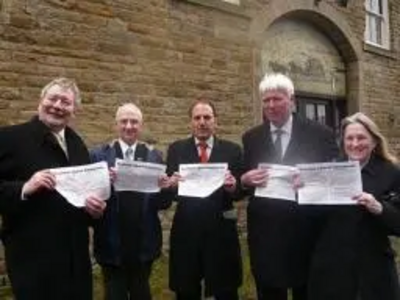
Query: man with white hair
<point x="281" y="236"/>
<point x="45" y="237"/>
<point x="128" y="238"/>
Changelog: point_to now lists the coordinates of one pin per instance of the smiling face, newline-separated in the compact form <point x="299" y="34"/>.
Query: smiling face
<point x="358" y="142"/>
<point x="129" y="123"/>
<point x="203" y="121"/>
<point x="57" y="107"/>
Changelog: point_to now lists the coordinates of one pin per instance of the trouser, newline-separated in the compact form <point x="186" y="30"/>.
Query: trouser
<point x="127" y="282"/>
<point x="272" y="293"/>
<point x="196" y="295"/>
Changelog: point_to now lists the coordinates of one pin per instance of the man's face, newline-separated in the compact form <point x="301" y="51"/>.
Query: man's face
<point x="277" y="106"/>
<point x="128" y="125"/>
<point x="203" y="121"/>
<point x="57" y="107"/>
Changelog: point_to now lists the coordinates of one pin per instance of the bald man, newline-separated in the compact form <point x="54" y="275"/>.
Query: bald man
<point x="128" y="238"/>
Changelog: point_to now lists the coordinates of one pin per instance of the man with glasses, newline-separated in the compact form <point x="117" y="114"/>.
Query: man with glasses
<point x="45" y="237"/>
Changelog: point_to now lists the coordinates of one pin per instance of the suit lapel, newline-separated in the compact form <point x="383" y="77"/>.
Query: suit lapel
<point x="73" y="147"/>
<point x="49" y="145"/>
<point x="193" y="154"/>
<point x="141" y="152"/>
<point x="118" y="150"/>
<point x="215" y="155"/>
<point x="265" y="144"/>
<point x="295" y="140"/>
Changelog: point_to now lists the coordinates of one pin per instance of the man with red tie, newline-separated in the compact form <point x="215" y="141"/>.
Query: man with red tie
<point x="204" y="242"/>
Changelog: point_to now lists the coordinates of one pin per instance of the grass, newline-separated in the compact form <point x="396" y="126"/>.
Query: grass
<point x="159" y="279"/>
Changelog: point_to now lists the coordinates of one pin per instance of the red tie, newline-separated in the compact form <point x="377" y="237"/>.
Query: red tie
<point x="203" y="152"/>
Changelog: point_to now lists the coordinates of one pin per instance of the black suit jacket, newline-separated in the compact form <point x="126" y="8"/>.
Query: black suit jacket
<point x="204" y="241"/>
<point x="280" y="233"/>
<point x="45" y="238"/>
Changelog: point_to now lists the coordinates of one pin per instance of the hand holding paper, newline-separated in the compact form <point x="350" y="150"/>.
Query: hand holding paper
<point x="229" y="182"/>
<point x="280" y="182"/>
<point x="255" y="178"/>
<point x="77" y="184"/>
<point x="201" y="180"/>
<point x="40" y="180"/>
<point x="369" y="202"/>
<point x="95" y="206"/>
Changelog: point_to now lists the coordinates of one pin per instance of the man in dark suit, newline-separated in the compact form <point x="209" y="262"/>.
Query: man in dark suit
<point x="45" y="237"/>
<point x="281" y="234"/>
<point x="128" y="238"/>
<point x="204" y="241"/>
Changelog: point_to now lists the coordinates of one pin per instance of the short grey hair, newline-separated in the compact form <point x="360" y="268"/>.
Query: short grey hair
<point x="276" y="81"/>
<point x="66" y="84"/>
<point x="131" y="107"/>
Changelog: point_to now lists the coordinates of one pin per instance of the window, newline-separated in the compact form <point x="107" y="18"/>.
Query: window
<point x="237" y="2"/>
<point x="377" y="23"/>
<point x="328" y="112"/>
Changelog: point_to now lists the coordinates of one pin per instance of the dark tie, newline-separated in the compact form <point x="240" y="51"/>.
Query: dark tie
<point x="203" y="152"/>
<point x="278" y="144"/>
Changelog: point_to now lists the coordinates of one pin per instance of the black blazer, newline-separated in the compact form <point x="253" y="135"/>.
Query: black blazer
<point x="355" y="258"/>
<point x="45" y="238"/>
<point x="281" y="234"/>
<point x="376" y="259"/>
<point x="201" y="226"/>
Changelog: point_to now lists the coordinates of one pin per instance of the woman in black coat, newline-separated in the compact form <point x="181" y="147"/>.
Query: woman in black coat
<point x="355" y="259"/>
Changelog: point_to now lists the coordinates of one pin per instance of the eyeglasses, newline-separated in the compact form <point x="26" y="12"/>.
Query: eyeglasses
<point x="61" y="100"/>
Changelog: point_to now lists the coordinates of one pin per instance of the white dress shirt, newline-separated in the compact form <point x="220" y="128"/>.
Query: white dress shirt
<point x="124" y="147"/>
<point x="209" y="142"/>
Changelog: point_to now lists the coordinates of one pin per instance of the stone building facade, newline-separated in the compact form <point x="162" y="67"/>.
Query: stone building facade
<point x="162" y="54"/>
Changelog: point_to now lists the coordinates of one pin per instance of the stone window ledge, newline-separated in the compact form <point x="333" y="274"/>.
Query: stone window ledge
<point x="231" y="8"/>
<point x="379" y="51"/>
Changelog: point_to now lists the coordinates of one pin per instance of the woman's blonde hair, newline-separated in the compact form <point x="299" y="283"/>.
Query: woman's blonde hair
<point x="382" y="146"/>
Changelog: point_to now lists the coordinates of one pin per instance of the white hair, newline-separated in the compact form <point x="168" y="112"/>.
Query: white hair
<point x="276" y="81"/>
<point x="129" y="107"/>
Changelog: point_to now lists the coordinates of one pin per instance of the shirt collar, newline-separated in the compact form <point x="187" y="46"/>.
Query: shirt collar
<point x="286" y="128"/>
<point x="125" y="146"/>
<point x="209" y="142"/>
<point x="60" y="133"/>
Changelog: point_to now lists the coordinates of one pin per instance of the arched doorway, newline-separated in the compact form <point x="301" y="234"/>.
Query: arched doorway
<point x="299" y="49"/>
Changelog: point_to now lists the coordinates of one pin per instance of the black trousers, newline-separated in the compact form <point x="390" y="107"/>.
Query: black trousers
<point x="127" y="282"/>
<point x="272" y="293"/>
<point x="196" y="295"/>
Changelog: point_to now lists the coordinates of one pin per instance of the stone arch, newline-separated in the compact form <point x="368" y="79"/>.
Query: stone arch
<point x="330" y="22"/>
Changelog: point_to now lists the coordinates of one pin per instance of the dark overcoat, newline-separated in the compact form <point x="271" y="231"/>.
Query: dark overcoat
<point x="45" y="237"/>
<point x="282" y="234"/>
<point x="204" y="239"/>
<point x="355" y="260"/>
